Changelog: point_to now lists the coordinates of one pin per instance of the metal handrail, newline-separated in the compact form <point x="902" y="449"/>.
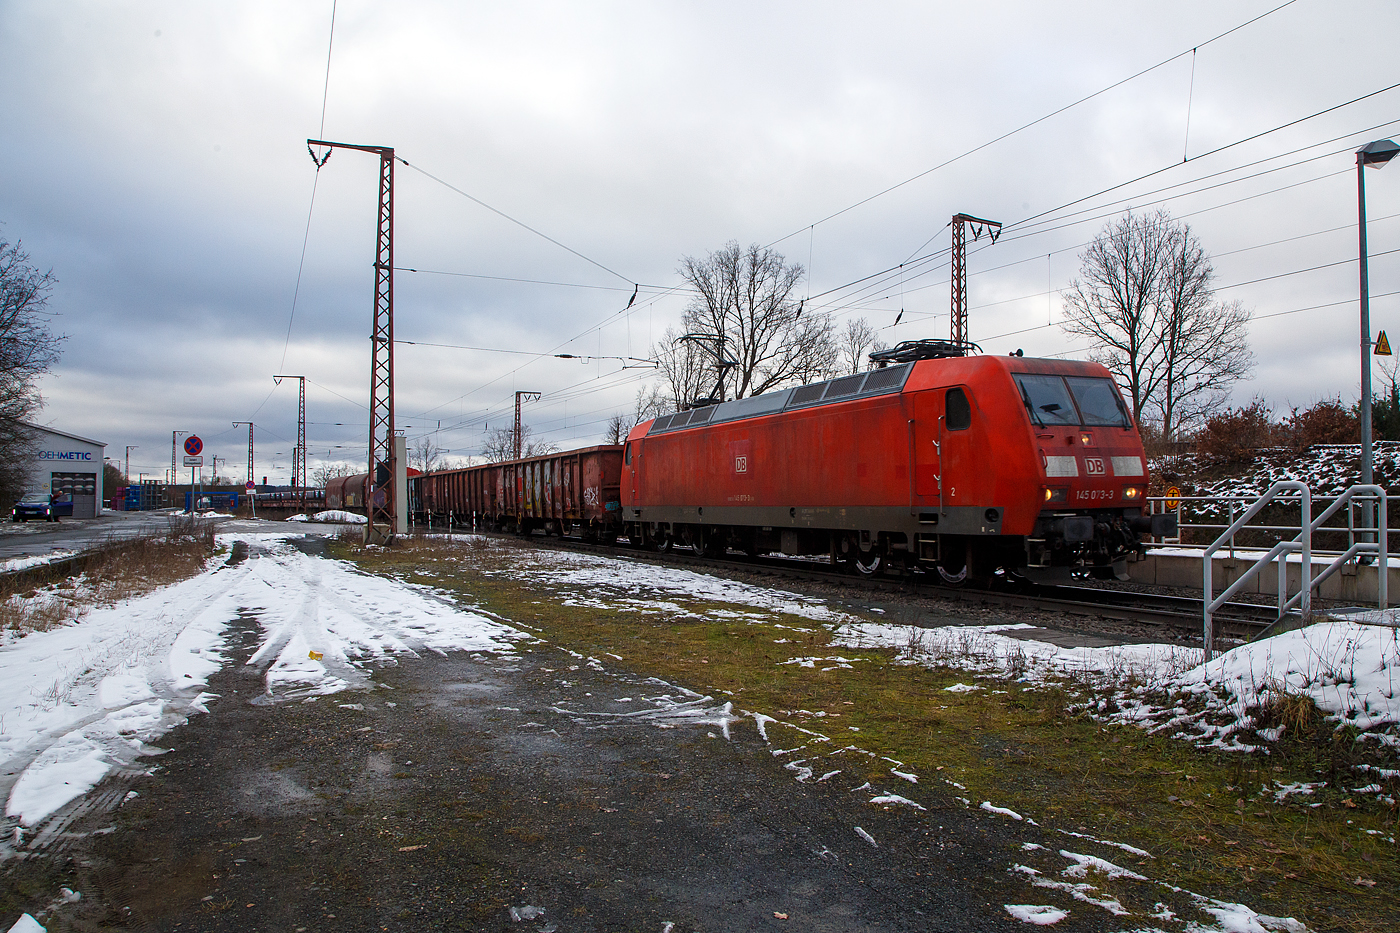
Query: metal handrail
<point x="1208" y="586"/>
<point x="1156" y="505"/>
<point x="1377" y="547"/>
<point x="1301" y="545"/>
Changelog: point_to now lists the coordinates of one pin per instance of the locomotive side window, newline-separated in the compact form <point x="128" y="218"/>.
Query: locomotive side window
<point x="1046" y="398"/>
<point x="957" y="410"/>
<point x="1099" y="402"/>
<point x="627" y="455"/>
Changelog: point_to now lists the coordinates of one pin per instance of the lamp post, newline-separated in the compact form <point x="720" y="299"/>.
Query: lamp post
<point x="1375" y="154"/>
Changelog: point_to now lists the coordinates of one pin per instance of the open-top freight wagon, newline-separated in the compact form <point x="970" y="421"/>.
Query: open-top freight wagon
<point x="570" y="493"/>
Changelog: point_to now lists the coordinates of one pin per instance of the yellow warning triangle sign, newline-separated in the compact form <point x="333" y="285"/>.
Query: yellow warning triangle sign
<point x="1382" y="345"/>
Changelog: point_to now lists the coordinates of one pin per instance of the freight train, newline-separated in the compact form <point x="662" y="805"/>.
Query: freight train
<point x="962" y="465"/>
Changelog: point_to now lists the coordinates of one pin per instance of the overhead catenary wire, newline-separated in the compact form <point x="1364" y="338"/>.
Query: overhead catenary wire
<point x="311" y="207"/>
<point x="1025" y="126"/>
<point x="520" y="223"/>
<point x="894" y="270"/>
<point x="905" y="272"/>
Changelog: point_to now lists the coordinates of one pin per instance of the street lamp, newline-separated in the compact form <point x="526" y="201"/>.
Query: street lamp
<point x="1375" y="154"/>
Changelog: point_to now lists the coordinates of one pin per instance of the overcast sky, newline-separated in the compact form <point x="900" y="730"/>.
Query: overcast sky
<point x="154" y="157"/>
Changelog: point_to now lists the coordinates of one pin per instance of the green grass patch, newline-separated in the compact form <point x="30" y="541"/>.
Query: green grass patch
<point x="1208" y="818"/>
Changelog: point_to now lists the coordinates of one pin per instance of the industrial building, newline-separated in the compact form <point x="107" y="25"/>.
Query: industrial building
<point x="66" y="466"/>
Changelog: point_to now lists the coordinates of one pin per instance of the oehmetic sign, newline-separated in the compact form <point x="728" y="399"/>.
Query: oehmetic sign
<point x="65" y="455"/>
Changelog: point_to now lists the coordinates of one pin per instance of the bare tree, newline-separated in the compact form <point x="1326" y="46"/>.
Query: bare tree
<point x="619" y="426"/>
<point x="1144" y="298"/>
<point x="856" y="344"/>
<point x="27" y="349"/>
<point x="326" y="472"/>
<point x="750" y="332"/>
<point x="426" y="455"/>
<point x="685" y="366"/>
<point x="651" y="403"/>
<point x="500" y="444"/>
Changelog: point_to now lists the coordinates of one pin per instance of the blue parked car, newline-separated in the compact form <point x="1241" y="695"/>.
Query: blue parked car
<point x="50" y="509"/>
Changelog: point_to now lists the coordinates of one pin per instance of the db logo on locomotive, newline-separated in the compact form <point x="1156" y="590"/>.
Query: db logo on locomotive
<point x="1094" y="466"/>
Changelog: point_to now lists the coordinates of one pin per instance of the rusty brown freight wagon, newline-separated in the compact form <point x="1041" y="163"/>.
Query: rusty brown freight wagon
<point x="571" y="493"/>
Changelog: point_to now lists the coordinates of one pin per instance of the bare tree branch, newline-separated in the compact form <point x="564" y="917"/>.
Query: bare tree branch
<point x="500" y="444"/>
<point x="1144" y="299"/>
<point x="27" y="349"/>
<point x="749" y="335"/>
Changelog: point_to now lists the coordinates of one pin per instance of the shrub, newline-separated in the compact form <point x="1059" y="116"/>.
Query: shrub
<point x="1234" y="435"/>
<point x="1327" y="422"/>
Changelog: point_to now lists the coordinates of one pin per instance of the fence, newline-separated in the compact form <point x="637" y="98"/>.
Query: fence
<point x="1201" y="519"/>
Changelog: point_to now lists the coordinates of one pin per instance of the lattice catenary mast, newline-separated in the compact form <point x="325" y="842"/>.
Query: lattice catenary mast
<point x="250" y="449"/>
<point x="958" y="322"/>
<point x="529" y="397"/>
<point x="381" y="505"/>
<point x="299" y="452"/>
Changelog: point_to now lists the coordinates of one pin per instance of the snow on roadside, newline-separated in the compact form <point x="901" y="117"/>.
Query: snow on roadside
<point x="80" y="700"/>
<point x="24" y="563"/>
<point x="1349" y="670"/>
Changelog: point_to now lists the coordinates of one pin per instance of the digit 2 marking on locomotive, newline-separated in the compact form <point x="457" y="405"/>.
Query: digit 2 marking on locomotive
<point x="1093" y="466"/>
<point x="741" y="464"/>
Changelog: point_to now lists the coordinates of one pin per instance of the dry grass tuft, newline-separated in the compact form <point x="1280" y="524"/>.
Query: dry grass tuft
<point x="113" y="571"/>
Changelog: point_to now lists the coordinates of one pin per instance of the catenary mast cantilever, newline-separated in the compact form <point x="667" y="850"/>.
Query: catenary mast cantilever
<point x="958" y="317"/>
<point x="381" y="505"/>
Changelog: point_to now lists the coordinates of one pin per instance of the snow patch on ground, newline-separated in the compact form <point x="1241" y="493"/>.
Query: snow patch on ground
<point x="609" y="583"/>
<point x="1351" y="671"/>
<point x="336" y="516"/>
<point x="79" y="700"/>
<point x="24" y="563"/>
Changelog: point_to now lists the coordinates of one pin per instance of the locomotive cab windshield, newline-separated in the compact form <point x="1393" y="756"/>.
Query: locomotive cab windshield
<point x="1089" y="401"/>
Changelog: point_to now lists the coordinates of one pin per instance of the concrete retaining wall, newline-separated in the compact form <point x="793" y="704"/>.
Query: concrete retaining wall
<point x="1352" y="584"/>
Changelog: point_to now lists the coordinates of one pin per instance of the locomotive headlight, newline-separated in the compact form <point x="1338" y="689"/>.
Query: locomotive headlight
<point x="1055" y="493"/>
<point x="1086" y="439"/>
<point x="1132" y="493"/>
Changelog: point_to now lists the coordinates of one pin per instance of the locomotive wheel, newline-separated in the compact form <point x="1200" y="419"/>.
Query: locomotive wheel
<point x="952" y="577"/>
<point x="868" y="563"/>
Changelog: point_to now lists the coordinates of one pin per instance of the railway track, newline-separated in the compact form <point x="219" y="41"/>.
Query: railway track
<point x="1181" y="614"/>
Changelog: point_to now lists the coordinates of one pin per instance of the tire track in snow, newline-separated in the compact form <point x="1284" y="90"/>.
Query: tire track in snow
<point x="105" y="736"/>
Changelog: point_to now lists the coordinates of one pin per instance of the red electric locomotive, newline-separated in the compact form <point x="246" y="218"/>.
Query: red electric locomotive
<point x="963" y="464"/>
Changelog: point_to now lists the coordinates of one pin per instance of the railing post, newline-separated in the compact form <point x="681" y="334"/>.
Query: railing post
<point x="1232" y="522"/>
<point x="1305" y="604"/>
<point x="1207" y="591"/>
<point x="1383" y="557"/>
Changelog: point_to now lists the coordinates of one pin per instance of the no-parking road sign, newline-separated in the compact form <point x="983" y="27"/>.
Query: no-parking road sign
<point x="193" y="445"/>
